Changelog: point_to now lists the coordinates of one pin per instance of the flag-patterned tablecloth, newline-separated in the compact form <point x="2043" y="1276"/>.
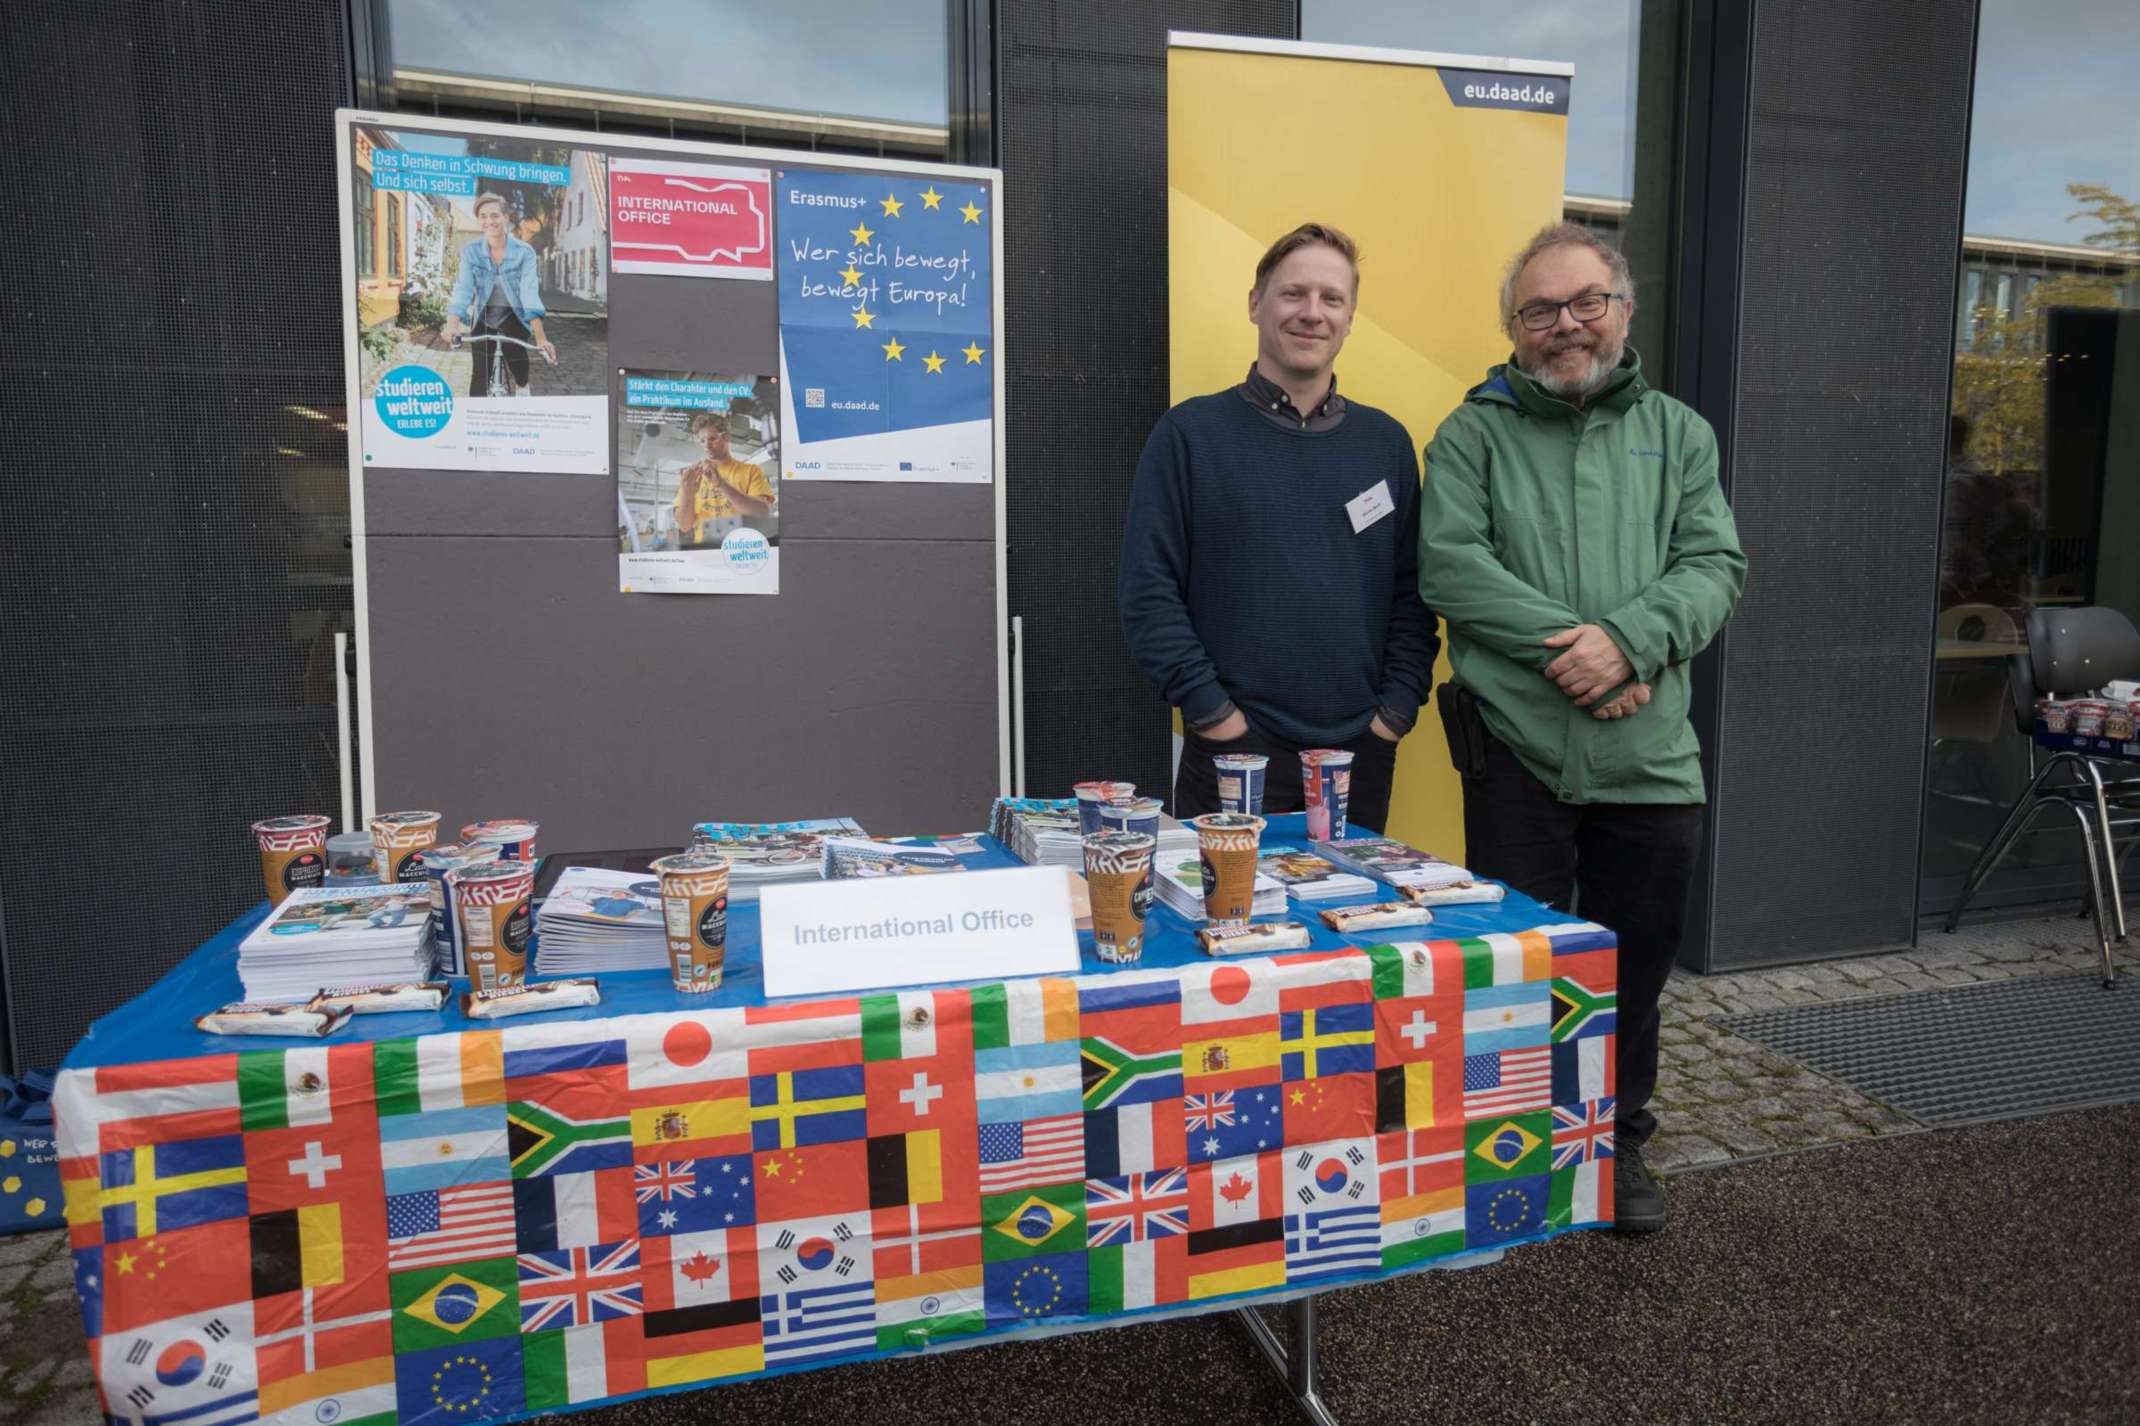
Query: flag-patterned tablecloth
<point x="487" y="1222"/>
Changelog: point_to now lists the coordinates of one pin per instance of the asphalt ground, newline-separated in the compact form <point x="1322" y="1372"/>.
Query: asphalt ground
<point x="1981" y="1274"/>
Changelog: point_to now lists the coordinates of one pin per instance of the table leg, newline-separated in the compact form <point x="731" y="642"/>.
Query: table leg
<point x="1294" y="1360"/>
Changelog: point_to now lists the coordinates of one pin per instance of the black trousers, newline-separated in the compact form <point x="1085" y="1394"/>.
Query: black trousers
<point x="1374" y="762"/>
<point x="1626" y="866"/>
<point x="516" y="358"/>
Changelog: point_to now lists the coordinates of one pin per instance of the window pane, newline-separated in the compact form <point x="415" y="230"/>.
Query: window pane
<point x="2043" y="473"/>
<point x="868" y="75"/>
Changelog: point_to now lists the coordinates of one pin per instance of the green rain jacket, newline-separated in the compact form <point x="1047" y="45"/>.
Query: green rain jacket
<point x="1536" y="516"/>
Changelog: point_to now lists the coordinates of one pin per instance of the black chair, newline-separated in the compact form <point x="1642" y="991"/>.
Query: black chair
<point x="2072" y="651"/>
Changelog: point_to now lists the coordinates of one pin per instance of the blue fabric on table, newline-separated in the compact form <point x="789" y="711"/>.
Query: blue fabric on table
<point x="158" y="1025"/>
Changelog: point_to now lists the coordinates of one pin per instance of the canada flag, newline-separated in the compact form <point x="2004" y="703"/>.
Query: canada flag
<point x="1236" y="1227"/>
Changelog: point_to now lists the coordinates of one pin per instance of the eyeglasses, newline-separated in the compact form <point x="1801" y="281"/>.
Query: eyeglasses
<point x="1538" y="316"/>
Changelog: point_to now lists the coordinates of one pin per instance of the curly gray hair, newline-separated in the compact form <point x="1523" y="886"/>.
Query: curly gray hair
<point x="1559" y="235"/>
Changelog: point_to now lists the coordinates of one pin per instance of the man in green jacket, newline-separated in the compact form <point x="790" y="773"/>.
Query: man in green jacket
<point x="1573" y="535"/>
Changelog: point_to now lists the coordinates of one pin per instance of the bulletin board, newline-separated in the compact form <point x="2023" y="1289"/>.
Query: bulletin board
<point x="736" y="553"/>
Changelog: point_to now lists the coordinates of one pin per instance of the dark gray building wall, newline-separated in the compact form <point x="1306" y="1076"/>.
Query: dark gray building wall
<point x="1856" y="124"/>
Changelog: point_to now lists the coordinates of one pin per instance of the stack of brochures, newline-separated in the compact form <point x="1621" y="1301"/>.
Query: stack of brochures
<point x="1388" y="860"/>
<point x="340" y="936"/>
<point x="857" y="858"/>
<point x="763" y="854"/>
<point x="596" y="920"/>
<point x="1043" y="831"/>
<point x="1308" y="877"/>
<point x="1180" y="881"/>
<point x="1040" y="831"/>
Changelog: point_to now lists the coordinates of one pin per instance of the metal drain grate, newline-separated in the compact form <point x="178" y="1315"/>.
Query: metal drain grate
<point x="1973" y="1053"/>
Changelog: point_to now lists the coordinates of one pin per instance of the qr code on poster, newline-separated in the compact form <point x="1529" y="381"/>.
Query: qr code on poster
<point x="813" y="396"/>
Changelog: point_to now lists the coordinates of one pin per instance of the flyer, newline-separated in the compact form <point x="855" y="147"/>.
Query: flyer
<point x="887" y="312"/>
<point x="482" y="274"/>
<point x="698" y="504"/>
<point x="690" y="219"/>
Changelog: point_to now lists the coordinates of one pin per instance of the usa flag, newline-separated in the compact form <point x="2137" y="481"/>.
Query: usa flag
<point x="579" y="1286"/>
<point x="1136" y="1207"/>
<point x="1032" y="1152"/>
<point x="449" y="1225"/>
<point x="1509" y="1082"/>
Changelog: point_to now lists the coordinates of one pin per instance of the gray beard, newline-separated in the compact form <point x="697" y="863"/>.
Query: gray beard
<point x="1604" y="359"/>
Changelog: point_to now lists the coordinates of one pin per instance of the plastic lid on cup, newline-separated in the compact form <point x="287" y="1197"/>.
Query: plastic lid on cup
<point x="500" y="830"/>
<point x="1313" y="757"/>
<point x="1227" y="822"/>
<point x="1240" y="761"/>
<point x="1103" y="791"/>
<point x="1120" y="844"/>
<point x="687" y="863"/>
<point x="301" y="822"/>
<point x="479" y="873"/>
<point x="404" y="819"/>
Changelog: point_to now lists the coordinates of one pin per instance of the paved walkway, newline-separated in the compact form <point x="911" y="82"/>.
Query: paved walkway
<point x="1727" y="1308"/>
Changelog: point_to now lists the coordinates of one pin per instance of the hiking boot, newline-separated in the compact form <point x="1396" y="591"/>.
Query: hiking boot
<point x="1637" y="1201"/>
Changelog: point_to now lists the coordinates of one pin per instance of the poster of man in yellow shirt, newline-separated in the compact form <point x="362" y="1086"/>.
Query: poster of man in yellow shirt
<point x="697" y="512"/>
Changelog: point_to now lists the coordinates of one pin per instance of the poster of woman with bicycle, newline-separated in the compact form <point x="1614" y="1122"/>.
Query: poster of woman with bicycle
<point x="698" y="507"/>
<point x="482" y="302"/>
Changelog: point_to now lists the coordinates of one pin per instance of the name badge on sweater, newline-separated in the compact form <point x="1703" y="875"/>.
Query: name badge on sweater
<point x="1370" y="505"/>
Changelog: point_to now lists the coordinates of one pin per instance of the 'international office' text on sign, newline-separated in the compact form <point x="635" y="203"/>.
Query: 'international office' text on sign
<point x="822" y="937"/>
<point x="690" y="219"/>
<point x="887" y="327"/>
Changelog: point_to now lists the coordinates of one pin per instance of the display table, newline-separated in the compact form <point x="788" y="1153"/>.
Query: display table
<point x="424" y="1219"/>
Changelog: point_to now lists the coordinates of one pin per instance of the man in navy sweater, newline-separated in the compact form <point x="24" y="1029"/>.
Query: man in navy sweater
<point x="1269" y="582"/>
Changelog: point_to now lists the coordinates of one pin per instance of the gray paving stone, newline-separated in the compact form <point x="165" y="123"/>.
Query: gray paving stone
<point x="25" y="1248"/>
<point x="58" y="1273"/>
<point x="67" y="1408"/>
<point x="1686" y="1151"/>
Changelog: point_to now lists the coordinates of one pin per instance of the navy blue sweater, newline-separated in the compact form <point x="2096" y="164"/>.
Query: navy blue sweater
<point x="1242" y="578"/>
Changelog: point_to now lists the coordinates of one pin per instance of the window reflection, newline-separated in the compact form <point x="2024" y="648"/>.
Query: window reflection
<point x="866" y="76"/>
<point x="2042" y="500"/>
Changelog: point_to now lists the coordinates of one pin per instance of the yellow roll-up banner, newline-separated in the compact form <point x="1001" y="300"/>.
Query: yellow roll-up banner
<point x="1440" y="167"/>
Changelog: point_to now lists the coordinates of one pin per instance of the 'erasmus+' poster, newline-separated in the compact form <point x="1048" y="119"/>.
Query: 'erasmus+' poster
<point x="482" y="303"/>
<point x="697" y="457"/>
<point x="886" y="328"/>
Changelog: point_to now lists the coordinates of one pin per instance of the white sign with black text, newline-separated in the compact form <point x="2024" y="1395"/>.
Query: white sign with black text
<point x="822" y="937"/>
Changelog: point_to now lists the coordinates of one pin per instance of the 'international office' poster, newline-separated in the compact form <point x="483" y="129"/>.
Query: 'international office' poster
<point x="482" y="269"/>
<point x="698" y="502"/>
<point x="887" y="345"/>
<point x="675" y="219"/>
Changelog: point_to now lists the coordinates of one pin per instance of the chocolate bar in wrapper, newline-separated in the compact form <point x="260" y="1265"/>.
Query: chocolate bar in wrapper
<point x="1456" y="893"/>
<point x="383" y="999"/>
<point x="529" y="999"/>
<point x="1255" y="939"/>
<point x="247" y="1018"/>
<point x="1346" y="919"/>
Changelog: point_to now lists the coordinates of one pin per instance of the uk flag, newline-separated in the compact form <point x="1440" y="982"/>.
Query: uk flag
<point x="1136" y="1207"/>
<point x="1582" y="1133"/>
<point x="577" y="1286"/>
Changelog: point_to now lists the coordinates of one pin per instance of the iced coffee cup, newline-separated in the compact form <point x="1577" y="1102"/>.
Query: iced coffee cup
<point x="1325" y="787"/>
<point x="1226" y="843"/>
<point x="694" y="904"/>
<point x="293" y="853"/>
<point x="512" y="840"/>
<point x="396" y="839"/>
<point x="439" y="864"/>
<point x="1118" y="869"/>
<point x="1092" y="796"/>
<point x="493" y="899"/>
<point x="1240" y="777"/>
